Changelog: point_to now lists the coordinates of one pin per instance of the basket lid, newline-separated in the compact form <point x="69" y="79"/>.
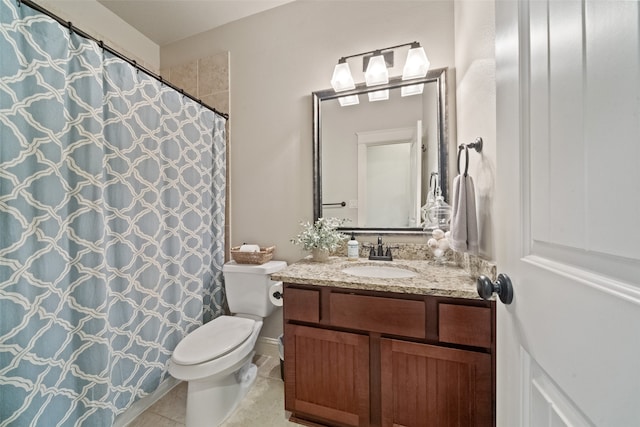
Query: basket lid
<point x="266" y="268"/>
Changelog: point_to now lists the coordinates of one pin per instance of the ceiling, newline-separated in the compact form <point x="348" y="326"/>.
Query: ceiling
<point x="167" y="21"/>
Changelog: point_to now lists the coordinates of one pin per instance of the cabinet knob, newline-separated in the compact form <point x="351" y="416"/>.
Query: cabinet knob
<point x="502" y="287"/>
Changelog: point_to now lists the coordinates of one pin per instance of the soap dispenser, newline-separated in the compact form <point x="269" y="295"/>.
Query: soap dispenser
<point x="353" y="248"/>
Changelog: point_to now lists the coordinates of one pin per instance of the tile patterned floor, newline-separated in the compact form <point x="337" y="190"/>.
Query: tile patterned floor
<point x="262" y="407"/>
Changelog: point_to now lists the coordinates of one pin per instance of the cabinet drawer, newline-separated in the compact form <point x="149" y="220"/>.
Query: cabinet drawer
<point x="378" y="314"/>
<point x="302" y="305"/>
<point x="466" y="325"/>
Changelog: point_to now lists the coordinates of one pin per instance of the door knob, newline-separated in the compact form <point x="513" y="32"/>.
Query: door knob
<point x="502" y="287"/>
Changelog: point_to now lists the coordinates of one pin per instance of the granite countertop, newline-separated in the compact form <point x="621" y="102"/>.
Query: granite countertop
<point x="446" y="280"/>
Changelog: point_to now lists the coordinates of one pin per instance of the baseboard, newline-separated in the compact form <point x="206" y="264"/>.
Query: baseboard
<point x="146" y="402"/>
<point x="267" y="346"/>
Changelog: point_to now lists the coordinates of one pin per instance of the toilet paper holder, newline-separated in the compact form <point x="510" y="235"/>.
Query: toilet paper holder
<point x="276" y="295"/>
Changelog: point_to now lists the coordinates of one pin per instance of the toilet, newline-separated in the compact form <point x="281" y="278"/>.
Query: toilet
<point x="216" y="358"/>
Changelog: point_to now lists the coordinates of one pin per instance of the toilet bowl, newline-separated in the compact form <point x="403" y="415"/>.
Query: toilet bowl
<point x="216" y="358"/>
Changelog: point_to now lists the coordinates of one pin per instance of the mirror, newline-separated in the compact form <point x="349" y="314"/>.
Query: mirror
<point x="375" y="162"/>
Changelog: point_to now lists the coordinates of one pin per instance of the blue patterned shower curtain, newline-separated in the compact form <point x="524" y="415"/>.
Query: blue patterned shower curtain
<point x="112" y="193"/>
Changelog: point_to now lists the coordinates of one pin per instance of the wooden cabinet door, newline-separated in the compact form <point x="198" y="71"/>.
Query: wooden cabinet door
<point x="327" y="375"/>
<point x="425" y="385"/>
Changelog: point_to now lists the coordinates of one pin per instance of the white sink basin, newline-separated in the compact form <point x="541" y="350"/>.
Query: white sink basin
<point x="379" y="271"/>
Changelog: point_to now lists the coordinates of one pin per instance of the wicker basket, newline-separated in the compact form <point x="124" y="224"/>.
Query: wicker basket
<point x="261" y="257"/>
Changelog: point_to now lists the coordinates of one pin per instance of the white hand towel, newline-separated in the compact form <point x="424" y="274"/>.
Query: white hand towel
<point x="464" y="223"/>
<point x="249" y="248"/>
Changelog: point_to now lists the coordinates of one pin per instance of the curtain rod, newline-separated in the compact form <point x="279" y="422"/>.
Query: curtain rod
<point x="114" y="52"/>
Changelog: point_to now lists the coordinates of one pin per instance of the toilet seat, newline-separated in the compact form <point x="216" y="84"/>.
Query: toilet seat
<point x="212" y="340"/>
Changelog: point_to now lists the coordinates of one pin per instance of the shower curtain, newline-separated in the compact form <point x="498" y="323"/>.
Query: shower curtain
<point x="112" y="193"/>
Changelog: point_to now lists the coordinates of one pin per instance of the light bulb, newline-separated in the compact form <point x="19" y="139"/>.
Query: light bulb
<point x="348" y="100"/>
<point x="412" y="90"/>
<point x="342" y="79"/>
<point x="377" y="72"/>
<point x="417" y="64"/>
<point x="379" y="95"/>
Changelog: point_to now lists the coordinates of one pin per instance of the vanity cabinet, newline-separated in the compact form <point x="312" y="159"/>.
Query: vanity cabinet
<point x="363" y="358"/>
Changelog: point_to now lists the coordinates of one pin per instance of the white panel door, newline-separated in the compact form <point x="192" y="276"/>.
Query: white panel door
<point x="568" y="191"/>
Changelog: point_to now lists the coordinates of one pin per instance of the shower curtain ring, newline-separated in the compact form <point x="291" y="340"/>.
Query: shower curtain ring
<point x="19" y="3"/>
<point x="70" y="25"/>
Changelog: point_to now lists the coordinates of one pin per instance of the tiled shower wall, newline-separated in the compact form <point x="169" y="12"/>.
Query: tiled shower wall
<point x="207" y="79"/>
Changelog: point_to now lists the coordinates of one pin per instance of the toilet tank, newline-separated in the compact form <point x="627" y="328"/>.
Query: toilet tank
<point x="247" y="287"/>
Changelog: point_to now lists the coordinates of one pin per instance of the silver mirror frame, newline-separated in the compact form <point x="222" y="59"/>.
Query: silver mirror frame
<point x="437" y="76"/>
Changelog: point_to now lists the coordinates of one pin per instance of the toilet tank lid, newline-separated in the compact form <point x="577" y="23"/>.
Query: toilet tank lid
<point x="213" y="339"/>
<point x="266" y="268"/>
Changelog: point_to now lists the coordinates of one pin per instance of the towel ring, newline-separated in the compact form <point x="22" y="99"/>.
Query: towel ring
<point x="466" y="161"/>
<point x="476" y="145"/>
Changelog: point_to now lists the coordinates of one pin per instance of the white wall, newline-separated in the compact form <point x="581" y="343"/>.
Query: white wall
<point x="476" y="107"/>
<point x="99" y="22"/>
<point x="278" y="58"/>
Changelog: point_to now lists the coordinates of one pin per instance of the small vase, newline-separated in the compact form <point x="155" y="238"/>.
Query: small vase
<point x="319" y="255"/>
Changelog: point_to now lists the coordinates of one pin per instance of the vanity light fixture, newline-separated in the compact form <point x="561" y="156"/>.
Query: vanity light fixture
<point x="376" y="72"/>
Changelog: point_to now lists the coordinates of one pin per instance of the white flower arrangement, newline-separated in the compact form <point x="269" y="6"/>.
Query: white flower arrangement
<point x="323" y="235"/>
